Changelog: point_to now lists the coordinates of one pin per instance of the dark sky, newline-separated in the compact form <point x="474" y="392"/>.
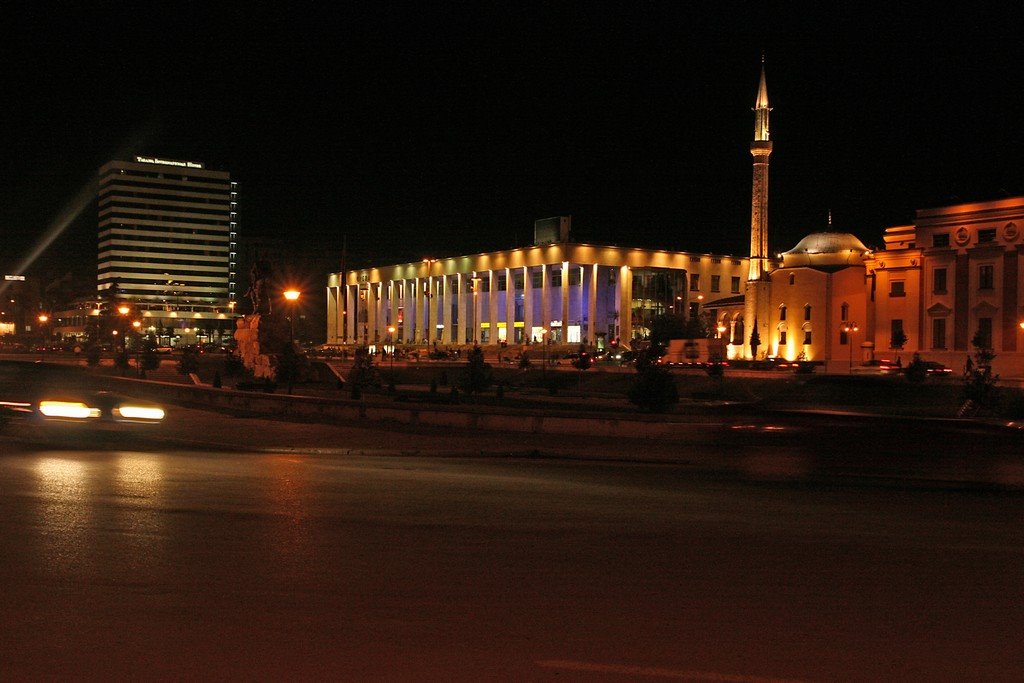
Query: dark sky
<point x="420" y="129"/>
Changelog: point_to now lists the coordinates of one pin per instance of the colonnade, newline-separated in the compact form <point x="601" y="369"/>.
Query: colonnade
<point x="563" y="302"/>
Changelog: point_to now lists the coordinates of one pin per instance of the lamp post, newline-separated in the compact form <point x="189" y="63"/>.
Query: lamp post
<point x="848" y="328"/>
<point x="291" y="296"/>
<point x="391" y="341"/>
<point x="42" y="327"/>
<point x="544" y="351"/>
<point x="137" y="325"/>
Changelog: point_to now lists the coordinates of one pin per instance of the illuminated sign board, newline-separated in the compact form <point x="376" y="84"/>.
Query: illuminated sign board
<point x="168" y="162"/>
<point x="18" y="278"/>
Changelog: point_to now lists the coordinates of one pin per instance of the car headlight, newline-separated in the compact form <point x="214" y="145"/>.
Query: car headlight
<point x="137" y="412"/>
<point x="74" y="410"/>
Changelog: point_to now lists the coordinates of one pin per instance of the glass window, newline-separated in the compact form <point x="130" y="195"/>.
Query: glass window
<point x="716" y="281"/>
<point x="735" y="285"/>
<point x="782" y="337"/>
<point x="807" y="312"/>
<point x="988" y="235"/>
<point x="941" y="240"/>
<point x="502" y="283"/>
<point x="986" y="277"/>
<point x="695" y="282"/>
<point x="807" y="336"/>
<point x="939" y="281"/>
<point x="897" y="288"/>
<point x="844" y="312"/>
<point x="782" y="312"/>
<point x="556" y="279"/>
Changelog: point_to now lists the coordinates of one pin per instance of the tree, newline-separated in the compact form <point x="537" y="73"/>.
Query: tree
<point x="189" y="362"/>
<point x="654" y="390"/>
<point x="755" y="340"/>
<point x="478" y="376"/>
<point x="363" y="373"/>
<point x="898" y="339"/>
<point x="980" y="390"/>
<point x="289" y="366"/>
<point x="916" y="370"/>
<point x="667" y="327"/>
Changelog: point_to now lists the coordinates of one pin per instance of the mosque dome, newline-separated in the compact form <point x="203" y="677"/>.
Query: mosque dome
<point x="826" y="250"/>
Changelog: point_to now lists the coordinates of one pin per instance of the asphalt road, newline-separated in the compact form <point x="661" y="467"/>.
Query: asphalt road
<point x="203" y="565"/>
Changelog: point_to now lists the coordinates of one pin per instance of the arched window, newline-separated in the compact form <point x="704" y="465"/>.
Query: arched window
<point x="792" y="279"/>
<point x="782" y="312"/>
<point x="737" y="333"/>
<point x="844" y="312"/>
<point x="807" y="312"/>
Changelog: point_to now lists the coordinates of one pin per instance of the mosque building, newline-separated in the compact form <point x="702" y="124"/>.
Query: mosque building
<point x="939" y="286"/>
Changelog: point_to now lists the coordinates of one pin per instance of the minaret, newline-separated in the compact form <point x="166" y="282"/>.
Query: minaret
<point x="758" y="286"/>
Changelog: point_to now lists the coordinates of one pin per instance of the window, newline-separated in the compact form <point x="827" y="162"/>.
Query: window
<point x="939" y="333"/>
<point x="984" y="336"/>
<point x="807" y="312"/>
<point x="844" y="337"/>
<point x="556" y="279"/>
<point x="807" y="336"/>
<point x="782" y="312"/>
<point x="502" y="283"/>
<point x="535" y="279"/>
<point x="897" y="288"/>
<point x="695" y="282"/>
<point x="986" y="277"/>
<point x="939" y="281"/>
<point x="988" y="235"/>
<point x="940" y="240"/>
<point x="716" y="283"/>
<point x="735" y="285"/>
<point x="844" y="312"/>
<point x="782" y="337"/>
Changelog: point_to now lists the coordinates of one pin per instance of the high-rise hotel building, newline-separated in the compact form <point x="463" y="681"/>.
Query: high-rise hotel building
<point x="167" y="243"/>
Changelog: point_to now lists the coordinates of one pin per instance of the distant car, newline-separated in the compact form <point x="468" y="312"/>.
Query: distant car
<point x="876" y="367"/>
<point x="47" y="395"/>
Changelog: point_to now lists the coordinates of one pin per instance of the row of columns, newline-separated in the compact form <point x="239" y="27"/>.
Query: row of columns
<point x="362" y="313"/>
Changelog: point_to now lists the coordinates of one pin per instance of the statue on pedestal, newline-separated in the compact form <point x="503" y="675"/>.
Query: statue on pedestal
<point x="259" y="279"/>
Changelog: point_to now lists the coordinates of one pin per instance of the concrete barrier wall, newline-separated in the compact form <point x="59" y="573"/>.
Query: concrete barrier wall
<point x="492" y="418"/>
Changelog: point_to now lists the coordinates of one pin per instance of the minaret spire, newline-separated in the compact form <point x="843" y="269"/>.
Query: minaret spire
<point x="758" y="289"/>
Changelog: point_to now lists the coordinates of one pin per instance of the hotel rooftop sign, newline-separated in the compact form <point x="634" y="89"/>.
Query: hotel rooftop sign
<point x="168" y="162"/>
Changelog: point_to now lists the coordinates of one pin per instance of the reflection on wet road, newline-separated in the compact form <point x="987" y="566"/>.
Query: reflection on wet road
<point x="175" y="565"/>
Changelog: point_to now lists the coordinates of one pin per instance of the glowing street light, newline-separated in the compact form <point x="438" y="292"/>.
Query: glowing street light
<point x="42" y="322"/>
<point x="848" y="328"/>
<point x="391" y="340"/>
<point x="291" y="296"/>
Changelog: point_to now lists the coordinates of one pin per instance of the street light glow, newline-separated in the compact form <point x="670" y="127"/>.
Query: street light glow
<point x="291" y="294"/>
<point x="123" y="310"/>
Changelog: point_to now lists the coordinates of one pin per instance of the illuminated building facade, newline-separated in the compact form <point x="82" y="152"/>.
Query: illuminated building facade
<point x="168" y="244"/>
<point x="562" y="292"/>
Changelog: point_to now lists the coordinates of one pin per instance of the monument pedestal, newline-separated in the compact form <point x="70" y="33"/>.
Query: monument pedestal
<point x="262" y="337"/>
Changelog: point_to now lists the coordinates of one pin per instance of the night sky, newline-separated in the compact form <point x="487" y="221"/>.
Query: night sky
<point x="433" y="129"/>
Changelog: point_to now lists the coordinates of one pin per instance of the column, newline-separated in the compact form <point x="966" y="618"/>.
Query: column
<point x="592" y="305"/>
<point x="370" y="328"/>
<point x="351" y="313"/>
<point x="624" y="304"/>
<point x="394" y="299"/>
<point x="510" y="306"/>
<point x="565" y="302"/>
<point x="527" y="304"/>
<point x="446" y="307"/>
<point x="332" y="315"/>
<point x="492" y="307"/>
<point x="545" y="303"/>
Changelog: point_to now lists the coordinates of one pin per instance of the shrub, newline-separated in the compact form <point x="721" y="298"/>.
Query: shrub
<point x="92" y="356"/>
<point x="654" y="390"/>
<point x="478" y="376"/>
<point x="233" y="365"/>
<point x="916" y="370"/>
<point x="189" y="362"/>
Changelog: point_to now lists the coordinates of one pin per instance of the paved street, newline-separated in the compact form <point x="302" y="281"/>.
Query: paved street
<point x="186" y="564"/>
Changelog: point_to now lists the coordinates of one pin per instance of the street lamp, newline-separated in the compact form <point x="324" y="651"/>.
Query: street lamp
<point x="137" y="325"/>
<point x="42" y="323"/>
<point x="291" y="296"/>
<point x="391" y="340"/>
<point x="544" y="351"/>
<point x="848" y="328"/>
